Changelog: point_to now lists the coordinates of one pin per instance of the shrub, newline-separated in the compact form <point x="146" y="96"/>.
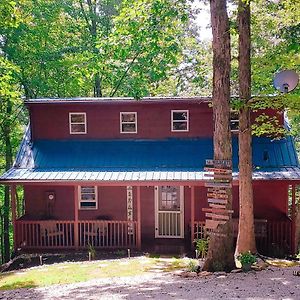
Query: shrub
<point x="247" y="258"/>
<point x="192" y="266"/>
<point x="201" y="246"/>
<point x="92" y="251"/>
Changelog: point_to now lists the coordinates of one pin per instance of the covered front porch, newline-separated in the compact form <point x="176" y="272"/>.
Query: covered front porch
<point x="143" y="225"/>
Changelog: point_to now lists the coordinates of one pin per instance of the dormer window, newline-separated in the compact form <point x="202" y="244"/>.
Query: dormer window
<point x="77" y="123"/>
<point x="179" y="120"/>
<point x="128" y="122"/>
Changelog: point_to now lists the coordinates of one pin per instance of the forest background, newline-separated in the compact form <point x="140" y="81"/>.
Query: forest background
<point x="135" y="48"/>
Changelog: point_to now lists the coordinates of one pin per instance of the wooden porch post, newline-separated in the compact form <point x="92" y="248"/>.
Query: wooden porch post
<point x="293" y="215"/>
<point x="76" y="238"/>
<point x="139" y="227"/>
<point x="13" y="212"/>
<point x="192" y="215"/>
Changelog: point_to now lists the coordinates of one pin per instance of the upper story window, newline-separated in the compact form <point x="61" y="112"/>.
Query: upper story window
<point x="179" y="120"/>
<point x="234" y="121"/>
<point x="77" y="123"/>
<point x="128" y="122"/>
<point x="88" y="197"/>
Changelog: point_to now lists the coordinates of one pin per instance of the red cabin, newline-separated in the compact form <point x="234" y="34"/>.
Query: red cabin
<point x="122" y="173"/>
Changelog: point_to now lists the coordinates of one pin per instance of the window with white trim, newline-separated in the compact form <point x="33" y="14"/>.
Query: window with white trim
<point x="77" y="123"/>
<point x="179" y="120"/>
<point x="88" y="197"/>
<point x="234" y="121"/>
<point x="169" y="198"/>
<point x="128" y="122"/>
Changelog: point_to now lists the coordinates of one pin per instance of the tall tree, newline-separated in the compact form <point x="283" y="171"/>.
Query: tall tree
<point x="9" y="109"/>
<point x="220" y="252"/>
<point x="103" y="48"/>
<point x="98" y="16"/>
<point x="246" y="236"/>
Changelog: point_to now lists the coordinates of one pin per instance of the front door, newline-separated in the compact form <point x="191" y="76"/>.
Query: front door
<point x="169" y="212"/>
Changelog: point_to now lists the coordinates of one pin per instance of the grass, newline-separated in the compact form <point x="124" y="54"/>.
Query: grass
<point x="63" y="273"/>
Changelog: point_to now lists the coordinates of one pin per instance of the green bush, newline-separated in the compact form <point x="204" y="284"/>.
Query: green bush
<point x="192" y="266"/>
<point x="247" y="258"/>
<point x="201" y="246"/>
<point x="92" y="251"/>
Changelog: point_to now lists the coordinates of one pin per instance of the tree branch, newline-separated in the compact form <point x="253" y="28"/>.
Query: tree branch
<point x="85" y="16"/>
<point x="114" y="90"/>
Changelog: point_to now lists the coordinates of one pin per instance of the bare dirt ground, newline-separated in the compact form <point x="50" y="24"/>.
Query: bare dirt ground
<point x="272" y="283"/>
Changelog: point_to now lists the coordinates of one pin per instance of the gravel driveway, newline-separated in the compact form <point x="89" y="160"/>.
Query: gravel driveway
<point x="273" y="283"/>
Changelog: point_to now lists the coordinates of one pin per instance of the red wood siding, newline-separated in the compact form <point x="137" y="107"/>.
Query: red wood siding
<point x="200" y="202"/>
<point x="35" y="201"/>
<point x="147" y="213"/>
<point x="112" y="203"/>
<point x="270" y="202"/>
<point x="51" y="121"/>
<point x="103" y="121"/>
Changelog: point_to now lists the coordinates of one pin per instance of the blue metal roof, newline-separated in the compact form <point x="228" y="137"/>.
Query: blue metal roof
<point x="170" y="159"/>
<point x="172" y="154"/>
<point x="143" y="155"/>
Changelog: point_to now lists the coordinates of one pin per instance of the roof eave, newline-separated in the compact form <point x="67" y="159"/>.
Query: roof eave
<point x="114" y="100"/>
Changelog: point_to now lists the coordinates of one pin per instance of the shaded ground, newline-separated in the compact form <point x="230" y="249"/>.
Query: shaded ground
<point x="273" y="283"/>
<point x="32" y="260"/>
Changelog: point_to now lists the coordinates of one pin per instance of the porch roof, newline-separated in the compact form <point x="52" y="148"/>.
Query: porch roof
<point x="142" y="160"/>
<point x="63" y="175"/>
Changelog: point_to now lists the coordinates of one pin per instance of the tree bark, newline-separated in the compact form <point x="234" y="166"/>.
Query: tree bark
<point x="97" y="89"/>
<point x="90" y="17"/>
<point x="246" y="235"/>
<point x="8" y="164"/>
<point x="220" y="253"/>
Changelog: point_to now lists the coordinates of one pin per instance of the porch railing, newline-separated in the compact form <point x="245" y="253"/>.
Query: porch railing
<point x="108" y="234"/>
<point x="45" y="234"/>
<point x="61" y="234"/>
<point x="280" y="236"/>
<point x="270" y="235"/>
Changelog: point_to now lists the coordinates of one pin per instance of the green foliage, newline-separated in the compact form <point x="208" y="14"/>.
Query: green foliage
<point x="91" y="251"/>
<point x="61" y="47"/>
<point x="145" y="44"/>
<point x="192" y="266"/>
<point x="134" y="48"/>
<point x="120" y="253"/>
<point x="9" y="15"/>
<point x="266" y="125"/>
<point x="202" y="246"/>
<point x="247" y="258"/>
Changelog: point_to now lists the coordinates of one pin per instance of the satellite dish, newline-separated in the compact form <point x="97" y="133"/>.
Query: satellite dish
<point x="286" y="81"/>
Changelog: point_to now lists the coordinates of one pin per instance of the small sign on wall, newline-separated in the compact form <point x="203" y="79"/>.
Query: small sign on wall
<point x="130" y="209"/>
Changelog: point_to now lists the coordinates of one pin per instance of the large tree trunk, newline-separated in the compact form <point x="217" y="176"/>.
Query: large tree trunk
<point x="8" y="164"/>
<point x="220" y="252"/>
<point x="246" y="237"/>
